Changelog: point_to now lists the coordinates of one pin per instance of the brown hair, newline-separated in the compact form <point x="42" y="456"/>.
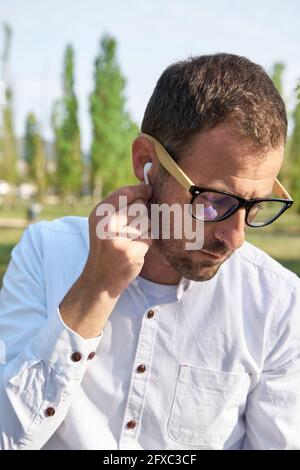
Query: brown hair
<point x="201" y="92"/>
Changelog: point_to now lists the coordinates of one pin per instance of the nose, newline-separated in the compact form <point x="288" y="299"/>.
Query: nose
<point x="232" y="230"/>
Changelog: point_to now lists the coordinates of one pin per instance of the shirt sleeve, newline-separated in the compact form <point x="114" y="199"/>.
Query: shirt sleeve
<point x="42" y="361"/>
<point x="273" y="407"/>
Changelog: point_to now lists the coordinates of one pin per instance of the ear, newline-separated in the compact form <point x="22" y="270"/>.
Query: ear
<point x="142" y="153"/>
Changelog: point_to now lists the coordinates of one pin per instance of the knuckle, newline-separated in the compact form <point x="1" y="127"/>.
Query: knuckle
<point x="127" y="191"/>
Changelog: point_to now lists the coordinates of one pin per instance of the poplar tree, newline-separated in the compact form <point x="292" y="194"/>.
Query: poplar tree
<point x="8" y="144"/>
<point x="67" y="134"/>
<point x="34" y="154"/>
<point x="112" y="128"/>
<point x="294" y="153"/>
<point x="277" y="76"/>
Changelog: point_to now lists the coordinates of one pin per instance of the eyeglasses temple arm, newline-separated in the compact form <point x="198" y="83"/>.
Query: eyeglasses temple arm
<point x="280" y="190"/>
<point x="169" y="164"/>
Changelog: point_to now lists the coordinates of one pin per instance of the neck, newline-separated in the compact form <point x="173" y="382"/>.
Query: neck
<point x="157" y="269"/>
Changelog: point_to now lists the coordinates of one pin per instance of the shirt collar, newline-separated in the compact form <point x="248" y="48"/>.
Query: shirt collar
<point x="183" y="285"/>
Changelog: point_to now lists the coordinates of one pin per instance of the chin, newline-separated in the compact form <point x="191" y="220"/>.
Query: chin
<point x="195" y="271"/>
<point x="188" y="264"/>
<point x="203" y="274"/>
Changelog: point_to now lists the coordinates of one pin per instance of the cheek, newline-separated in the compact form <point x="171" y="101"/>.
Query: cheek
<point x="209" y="230"/>
<point x="173" y="192"/>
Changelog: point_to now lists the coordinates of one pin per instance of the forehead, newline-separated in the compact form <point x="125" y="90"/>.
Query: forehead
<point x="222" y="159"/>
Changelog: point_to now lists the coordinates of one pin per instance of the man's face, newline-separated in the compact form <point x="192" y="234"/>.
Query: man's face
<point x="221" y="160"/>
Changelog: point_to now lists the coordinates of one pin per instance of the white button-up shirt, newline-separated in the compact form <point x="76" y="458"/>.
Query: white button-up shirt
<point x="216" y="368"/>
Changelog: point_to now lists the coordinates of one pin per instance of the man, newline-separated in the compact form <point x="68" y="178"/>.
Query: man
<point x="133" y="343"/>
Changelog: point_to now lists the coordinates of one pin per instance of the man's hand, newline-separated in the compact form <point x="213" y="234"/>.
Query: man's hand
<point x="113" y="263"/>
<point x="110" y="267"/>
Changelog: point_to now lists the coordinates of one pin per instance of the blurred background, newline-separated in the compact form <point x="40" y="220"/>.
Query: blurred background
<point x="76" y="76"/>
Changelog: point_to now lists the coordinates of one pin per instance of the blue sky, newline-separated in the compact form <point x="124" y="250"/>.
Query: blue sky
<point x="150" y="36"/>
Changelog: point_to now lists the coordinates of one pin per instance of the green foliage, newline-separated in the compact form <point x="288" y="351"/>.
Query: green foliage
<point x="298" y="91"/>
<point x="112" y="128"/>
<point x="294" y="156"/>
<point x="35" y="154"/>
<point x="277" y="78"/>
<point x="290" y="172"/>
<point x="277" y="75"/>
<point x="67" y="133"/>
<point x="8" y="146"/>
<point x="8" y="239"/>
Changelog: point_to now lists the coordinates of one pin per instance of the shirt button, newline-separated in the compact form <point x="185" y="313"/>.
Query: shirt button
<point x="150" y="314"/>
<point x="50" y="411"/>
<point x="141" y="368"/>
<point x="76" y="356"/>
<point x="91" y="355"/>
<point x="131" y="424"/>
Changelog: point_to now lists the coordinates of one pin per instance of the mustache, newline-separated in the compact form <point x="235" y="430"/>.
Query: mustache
<point x="217" y="248"/>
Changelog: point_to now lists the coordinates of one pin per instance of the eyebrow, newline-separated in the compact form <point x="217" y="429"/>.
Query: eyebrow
<point x="222" y="189"/>
<point x="218" y="187"/>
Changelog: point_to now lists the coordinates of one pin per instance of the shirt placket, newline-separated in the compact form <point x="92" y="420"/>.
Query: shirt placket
<point x="141" y="369"/>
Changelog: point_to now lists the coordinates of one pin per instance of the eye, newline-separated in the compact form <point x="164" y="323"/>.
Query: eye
<point x="255" y="210"/>
<point x="257" y="206"/>
<point x="221" y="200"/>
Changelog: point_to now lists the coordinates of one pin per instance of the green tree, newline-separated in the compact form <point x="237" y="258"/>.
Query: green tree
<point x="294" y="154"/>
<point x="8" y="145"/>
<point x="35" y="154"/>
<point x="67" y="134"/>
<point x="112" y="128"/>
<point x="298" y="91"/>
<point x="277" y="76"/>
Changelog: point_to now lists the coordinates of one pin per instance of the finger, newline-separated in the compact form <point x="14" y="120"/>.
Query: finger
<point x="128" y="194"/>
<point x="138" y="227"/>
<point x="129" y="213"/>
<point x="143" y="243"/>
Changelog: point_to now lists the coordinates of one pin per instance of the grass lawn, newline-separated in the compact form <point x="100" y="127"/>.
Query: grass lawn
<point x="281" y="239"/>
<point x="49" y="212"/>
<point x="8" y="239"/>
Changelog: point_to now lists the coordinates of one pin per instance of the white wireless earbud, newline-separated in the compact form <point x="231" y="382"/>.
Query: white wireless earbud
<point x="147" y="167"/>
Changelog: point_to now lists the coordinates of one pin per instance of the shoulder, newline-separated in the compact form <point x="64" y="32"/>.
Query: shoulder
<point x="63" y="233"/>
<point x="64" y="225"/>
<point x="265" y="278"/>
<point x="69" y="224"/>
<point x="257" y="261"/>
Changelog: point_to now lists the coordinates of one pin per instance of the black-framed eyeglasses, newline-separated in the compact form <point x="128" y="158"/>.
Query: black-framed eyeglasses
<point x="218" y="205"/>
